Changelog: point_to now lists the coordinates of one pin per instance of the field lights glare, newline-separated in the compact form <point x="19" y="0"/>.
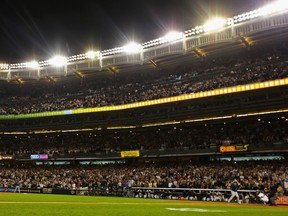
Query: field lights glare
<point x="171" y="36"/>
<point x="33" y="64"/>
<point x="274" y="7"/>
<point x="214" y="24"/>
<point x="58" y="61"/>
<point x="132" y="48"/>
<point x="92" y="54"/>
<point x="277" y="7"/>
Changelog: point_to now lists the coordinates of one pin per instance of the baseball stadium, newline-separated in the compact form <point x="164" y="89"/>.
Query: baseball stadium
<point x="190" y="123"/>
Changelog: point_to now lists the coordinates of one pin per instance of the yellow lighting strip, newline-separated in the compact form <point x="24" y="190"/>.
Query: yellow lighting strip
<point x="120" y="127"/>
<point x="211" y="93"/>
<point x="152" y="124"/>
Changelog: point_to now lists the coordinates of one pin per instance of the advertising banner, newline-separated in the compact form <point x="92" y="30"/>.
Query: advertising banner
<point x="234" y="148"/>
<point x="282" y="200"/>
<point x="135" y="153"/>
<point x="7" y="157"/>
<point x="39" y="156"/>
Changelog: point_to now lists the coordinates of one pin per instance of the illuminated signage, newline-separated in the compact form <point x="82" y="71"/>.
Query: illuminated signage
<point x="7" y="157"/>
<point x="39" y="156"/>
<point x="135" y="153"/>
<point x="234" y="148"/>
<point x="282" y="200"/>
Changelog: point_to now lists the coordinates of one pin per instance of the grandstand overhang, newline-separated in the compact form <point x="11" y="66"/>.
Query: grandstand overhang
<point x="259" y="26"/>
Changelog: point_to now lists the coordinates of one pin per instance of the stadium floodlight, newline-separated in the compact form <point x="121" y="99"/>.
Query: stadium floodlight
<point x="171" y="36"/>
<point x="32" y="64"/>
<point x="283" y="4"/>
<point x="277" y="6"/>
<point x="92" y="54"/>
<point x="214" y="24"/>
<point x="132" y="47"/>
<point x="111" y="51"/>
<point x="44" y="63"/>
<point x="58" y="61"/>
<point x="4" y="66"/>
<point x="230" y="21"/>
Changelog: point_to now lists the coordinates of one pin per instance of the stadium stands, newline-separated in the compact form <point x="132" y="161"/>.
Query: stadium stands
<point x="207" y="75"/>
<point x="195" y="143"/>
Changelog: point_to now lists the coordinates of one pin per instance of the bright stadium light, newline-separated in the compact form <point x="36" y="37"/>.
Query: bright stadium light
<point x="58" y="61"/>
<point x="132" y="48"/>
<point x="214" y="24"/>
<point x="4" y="66"/>
<point x="274" y="7"/>
<point x="171" y="36"/>
<point x="32" y="64"/>
<point x="92" y="54"/>
<point x="283" y="4"/>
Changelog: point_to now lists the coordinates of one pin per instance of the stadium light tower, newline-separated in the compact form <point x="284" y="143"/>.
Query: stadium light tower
<point x="4" y="66"/>
<point x="132" y="48"/>
<point x="214" y="24"/>
<point x="277" y="6"/>
<point x="33" y="64"/>
<point x="92" y="54"/>
<point x="171" y="36"/>
<point x="58" y="61"/>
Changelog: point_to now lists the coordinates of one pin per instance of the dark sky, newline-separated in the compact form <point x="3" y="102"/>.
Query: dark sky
<point x="39" y="29"/>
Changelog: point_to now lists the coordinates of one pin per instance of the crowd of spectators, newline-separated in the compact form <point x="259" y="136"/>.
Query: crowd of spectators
<point x="256" y="133"/>
<point x="201" y="76"/>
<point x="257" y="175"/>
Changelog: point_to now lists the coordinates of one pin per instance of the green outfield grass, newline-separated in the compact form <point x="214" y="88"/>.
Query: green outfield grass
<point x="41" y="204"/>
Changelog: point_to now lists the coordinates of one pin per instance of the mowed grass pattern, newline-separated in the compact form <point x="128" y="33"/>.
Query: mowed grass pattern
<point x="50" y="205"/>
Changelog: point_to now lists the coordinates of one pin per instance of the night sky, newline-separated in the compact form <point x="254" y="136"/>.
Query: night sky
<point x="39" y="29"/>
